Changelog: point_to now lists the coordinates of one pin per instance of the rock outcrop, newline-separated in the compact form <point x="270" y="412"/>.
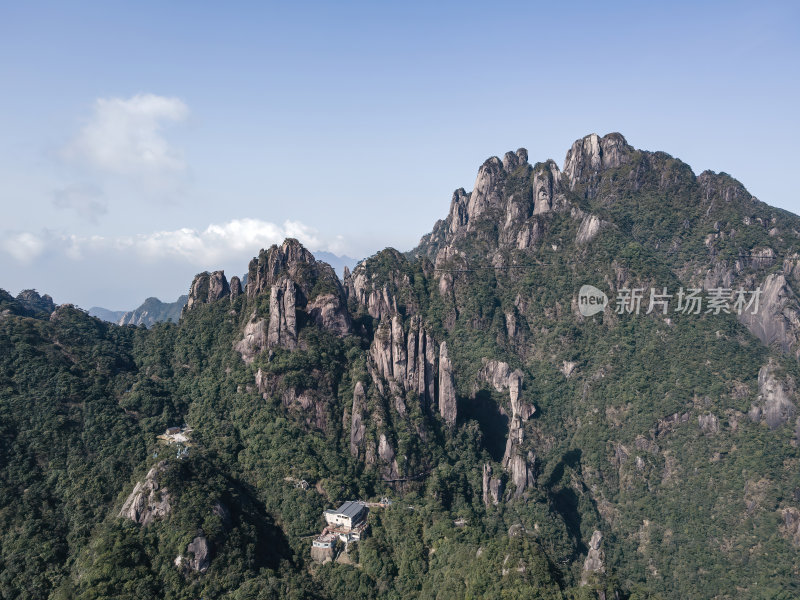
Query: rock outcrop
<point x="330" y="312"/>
<point x="276" y="263"/>
<point x="517" y="462"/>
<point x="254" y="340"/>
<point x="198" y="555"/>
<point x="487" y="192"/>
<point x="282" y="329"/>
<point x="207" y="287"/>
<point x="295" y="281"/>
<point x="591" y="155"/>
<point x="148" y="500"/>
<point x="32" y="301"/>
<point x="408" y="363"/>
<point x="448" y="406"/>
<point x="546" y="187"/>
<point x="790" y="527"/>
<point x="379" y="284"/>
<point x="492" y="487"/>
<point x="357" y="416"/>
<point x="777" y="320"/>
<point x="709" y="424"/>
<point x="387" y="455"/>
<point x="588" y="230"/>
<point x="775" y="398"/>
<point x="594" y="559"/>
<point x="236" y="287"/>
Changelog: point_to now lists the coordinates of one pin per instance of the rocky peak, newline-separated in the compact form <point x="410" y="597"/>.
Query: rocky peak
<point x="206" y="288"/>
<point x="236" y="287"/>
<point x="32" y="301"/>
<point x="294" y="280"/>
<point x="592" y="154"/>
<point x="289" y="259"/>
<point x="513" y="160"/>
<point x="379" y="284"/>
<point x="723" y="187"/>
<point x="546" y="186"/>
<point x="458" y="210"/>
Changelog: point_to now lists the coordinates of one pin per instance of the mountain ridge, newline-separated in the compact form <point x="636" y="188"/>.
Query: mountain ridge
<point x="531" y="450"/>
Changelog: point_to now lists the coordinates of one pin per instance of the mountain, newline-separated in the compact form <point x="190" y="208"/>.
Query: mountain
<point x="151" y="311"/>
<point x="110" y="316"/>
<point x="537" y="437"/>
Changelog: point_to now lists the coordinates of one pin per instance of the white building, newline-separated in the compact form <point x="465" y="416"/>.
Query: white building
<point x="323" y="547"/>
<point x="347" y="517"/>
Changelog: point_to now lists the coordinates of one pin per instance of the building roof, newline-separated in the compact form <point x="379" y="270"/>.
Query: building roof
<point x="351" y="508"/>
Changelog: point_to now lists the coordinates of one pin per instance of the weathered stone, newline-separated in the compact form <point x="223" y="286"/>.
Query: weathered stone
<point x="448" y="407"/>
<point x="282" y="329"/>
<point x="148" y="500"/>
<point x="708" y="423"/>
<point x="329" y="312"/>
<point x="588" y="229"/>
<point x="594" y="558"/>
<point x="289" y="260"/>
<point x="500" y="376"/>
<point x="254" y="340"/>
<point x="593" y="154"/>
<point x="207" y="287"/>
<point x="775" y="397"/>
<point x="458" y="211"/>
<point x="387" y="455"/>
<point x="790" y="527"/>
<point x="198" y="557"/>
<point x="488" y="191"/>
<point x="236" y="287"/>
<point x="32" y="301"/>
<point x="777" y="320"/>
<point x="546" y="185"/>
<point x="357" y="426"/>
<point x="492" y="487"/>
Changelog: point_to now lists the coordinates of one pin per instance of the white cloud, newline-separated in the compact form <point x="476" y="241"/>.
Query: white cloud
<point x="84" y="198"/>
<point x="24" y="246"/>
<point x="125" y="136"/>
<point x="218" y="244"/>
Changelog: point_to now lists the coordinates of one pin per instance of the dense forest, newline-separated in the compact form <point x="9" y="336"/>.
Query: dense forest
<point x="528" y="451"/>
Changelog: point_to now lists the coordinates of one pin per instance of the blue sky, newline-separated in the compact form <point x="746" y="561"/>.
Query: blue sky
<point x="144" y="142"/>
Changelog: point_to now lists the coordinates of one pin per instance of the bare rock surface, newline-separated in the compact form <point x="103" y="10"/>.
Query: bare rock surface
<point x="148" y="500"/>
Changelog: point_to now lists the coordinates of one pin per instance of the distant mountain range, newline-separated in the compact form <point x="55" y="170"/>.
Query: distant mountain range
<point x="149" y="312"/>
